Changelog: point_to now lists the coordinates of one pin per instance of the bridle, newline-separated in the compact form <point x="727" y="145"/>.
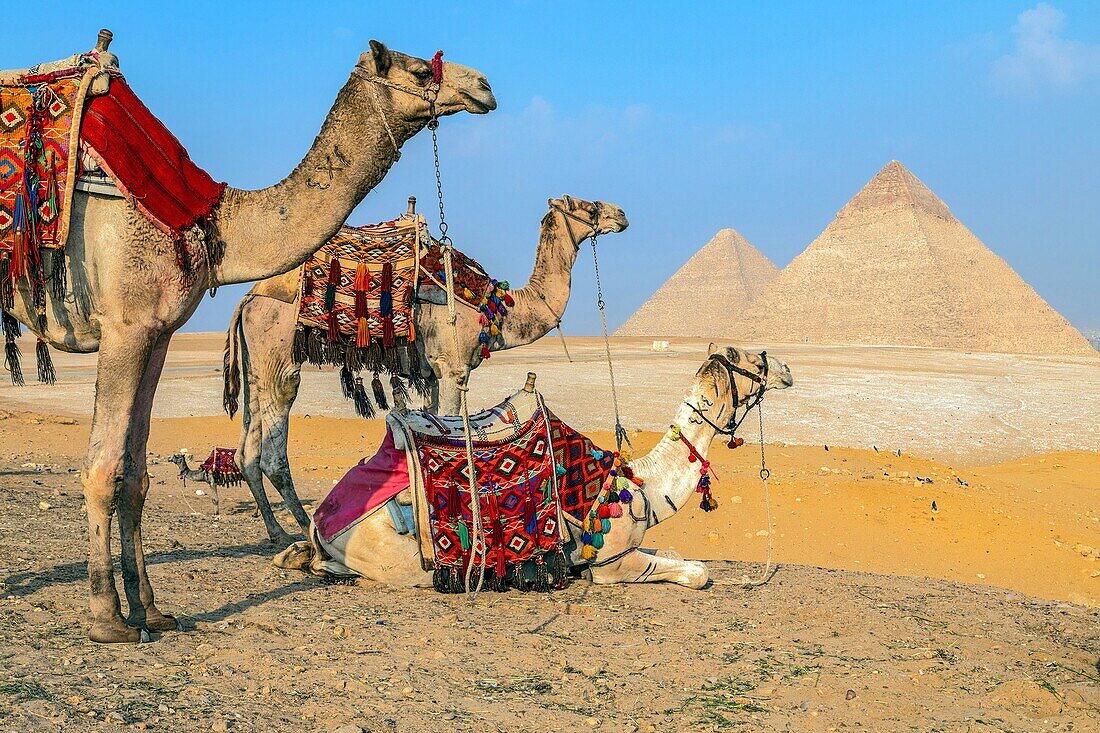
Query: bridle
<point x="594" y="225"/>
<point x="428" y="93"/>
<point x="749" y="402"/>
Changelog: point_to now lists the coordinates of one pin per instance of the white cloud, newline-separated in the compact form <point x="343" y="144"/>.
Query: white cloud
<point x="1043" y="58"/>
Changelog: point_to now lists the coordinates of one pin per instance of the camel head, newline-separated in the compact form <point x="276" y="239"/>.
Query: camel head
<point x="599" y="216"/>
<point x="406" y="81"/>
<point x="727" y="365"/>
<point x="179" y="459"/>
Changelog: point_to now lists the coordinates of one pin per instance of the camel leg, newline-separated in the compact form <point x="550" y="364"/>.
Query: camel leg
<point x="109" y="466"/>
<point x="214" y="499"/>
<point x="640" y="567"/>
<point x="248" y="460"/>
<point x="273" y="447"/>
<point x="139" y="591"/>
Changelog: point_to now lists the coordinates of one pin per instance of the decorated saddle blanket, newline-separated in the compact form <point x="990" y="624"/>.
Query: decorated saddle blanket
<point x="221" y="467"/>
<point x="516" y="495"/>
<point x="356" y="297"/>
<point x="49" y="115"/>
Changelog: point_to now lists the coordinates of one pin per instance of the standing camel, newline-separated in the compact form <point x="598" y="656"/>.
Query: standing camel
<point x="261" y="337"/>
<point x="125" y="295"/>
<point x="730" y="377"/>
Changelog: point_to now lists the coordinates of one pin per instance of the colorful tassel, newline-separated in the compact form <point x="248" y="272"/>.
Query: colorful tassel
<point x="11" y="349"/>
<point x="385" y="305"/>
<point x="330" y="299"/>
<point x="379" y="393"/>
<point x="484" y="351"/>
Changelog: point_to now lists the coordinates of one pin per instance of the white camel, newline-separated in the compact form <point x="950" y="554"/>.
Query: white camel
<point x="730" y="377"/>
<point x="261" y="337"/>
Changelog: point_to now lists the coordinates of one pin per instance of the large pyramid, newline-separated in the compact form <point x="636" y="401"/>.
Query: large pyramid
<point x="895" y="267"/>
<point x="720" y="279"/>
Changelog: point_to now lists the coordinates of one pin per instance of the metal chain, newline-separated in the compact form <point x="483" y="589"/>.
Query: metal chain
<point x="433" y="125"/>
<point x="620" y="432"/>
<point x="478" y="533"/>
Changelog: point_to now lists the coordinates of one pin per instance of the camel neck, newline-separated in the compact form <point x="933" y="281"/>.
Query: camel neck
<point x="541" y="303"/>
<point x="273" y="230"/>
<point x="670" y="476"/>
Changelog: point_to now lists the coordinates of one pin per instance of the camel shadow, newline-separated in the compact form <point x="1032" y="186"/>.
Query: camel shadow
<point x="23" y="584"/>
<point x="233" y="608"/>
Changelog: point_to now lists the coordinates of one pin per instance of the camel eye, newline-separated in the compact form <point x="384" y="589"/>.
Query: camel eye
<point x="422" y="75"/>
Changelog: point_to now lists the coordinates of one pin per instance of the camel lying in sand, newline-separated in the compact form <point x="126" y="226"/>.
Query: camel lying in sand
<point x="728" y="378"/>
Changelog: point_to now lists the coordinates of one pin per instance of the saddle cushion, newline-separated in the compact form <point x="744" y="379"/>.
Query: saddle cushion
<point x="147" y="162"/>
<point x="363" y="489"/>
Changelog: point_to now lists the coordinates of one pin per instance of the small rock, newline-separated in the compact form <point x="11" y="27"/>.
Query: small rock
<point x="592" y="722"/>
<point x="804" y="705"/>
<point x="850" y="695"/>
<point x="114" y="717"/>
<point x="45" y="506"/>
<point x="219" y="726"/>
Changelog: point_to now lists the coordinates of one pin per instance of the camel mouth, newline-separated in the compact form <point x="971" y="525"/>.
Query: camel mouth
<point x="476" y="106"/>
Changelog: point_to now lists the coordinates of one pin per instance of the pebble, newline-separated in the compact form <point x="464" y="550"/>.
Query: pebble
<point x="219" y="726"/>
<point x="592" y="722"/>
<point x="115" y="718"/>
<point x="44" y="506"/>
<point x="850" y="695"/>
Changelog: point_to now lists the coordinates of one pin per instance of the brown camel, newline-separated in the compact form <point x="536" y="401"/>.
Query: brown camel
<point x="125" y="295"/>
<point x="261" y="336"/>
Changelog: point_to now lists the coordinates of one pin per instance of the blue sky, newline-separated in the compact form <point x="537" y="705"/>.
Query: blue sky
<point x="764" y="117"/>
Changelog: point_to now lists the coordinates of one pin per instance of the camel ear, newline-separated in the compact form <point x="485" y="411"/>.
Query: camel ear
<point x="711" y="349"/>
<point x="381" y="56"/>
<point x="569" y="203"/>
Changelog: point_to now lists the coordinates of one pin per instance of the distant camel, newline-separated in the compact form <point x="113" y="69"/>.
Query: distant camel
<point x="261" y="337"/>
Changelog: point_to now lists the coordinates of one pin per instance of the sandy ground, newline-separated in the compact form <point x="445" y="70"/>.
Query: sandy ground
<point x="884" y="615"/>
<point x="939" y="404"/>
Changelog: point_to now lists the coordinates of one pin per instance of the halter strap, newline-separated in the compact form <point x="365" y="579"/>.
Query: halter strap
<point x="570" y="215"/>
<point x="428" y="94"/>
<point x="760" y="378"/>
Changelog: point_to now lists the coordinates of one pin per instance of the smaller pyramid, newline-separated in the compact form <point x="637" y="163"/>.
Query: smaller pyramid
<point x="704" y="296"/>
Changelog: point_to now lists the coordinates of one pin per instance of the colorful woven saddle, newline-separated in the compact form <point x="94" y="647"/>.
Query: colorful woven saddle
<point x="535" y="476"/>
<point x="74" y="124"/>
<point x="221" y="467"/>
<point x="356" y="298"/>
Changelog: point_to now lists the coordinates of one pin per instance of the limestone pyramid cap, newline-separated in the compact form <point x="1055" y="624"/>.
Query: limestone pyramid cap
<point x="896" y="186"/>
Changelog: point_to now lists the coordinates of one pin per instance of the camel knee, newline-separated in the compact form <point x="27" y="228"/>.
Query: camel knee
<point x="296" y="557"/>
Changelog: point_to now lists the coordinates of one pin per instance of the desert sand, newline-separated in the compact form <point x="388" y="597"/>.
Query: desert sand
<point x="885" y="613"/>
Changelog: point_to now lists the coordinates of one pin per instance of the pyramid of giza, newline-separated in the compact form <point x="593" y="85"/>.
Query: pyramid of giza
<point x="720" y="279"/>
<point x="896" y="267"/>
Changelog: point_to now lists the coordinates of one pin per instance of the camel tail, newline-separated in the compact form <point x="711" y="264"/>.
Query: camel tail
<point x="231" y="362"/>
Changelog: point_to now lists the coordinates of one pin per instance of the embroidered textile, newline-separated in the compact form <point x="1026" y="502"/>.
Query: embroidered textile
<point x="221" y="466"/>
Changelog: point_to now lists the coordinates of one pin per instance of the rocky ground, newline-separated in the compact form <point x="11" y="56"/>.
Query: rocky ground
<point x="885" y="614"/>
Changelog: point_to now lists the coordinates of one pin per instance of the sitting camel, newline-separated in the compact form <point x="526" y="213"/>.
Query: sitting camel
<point x="730" y="377"/>
<point x="261" y="338"/>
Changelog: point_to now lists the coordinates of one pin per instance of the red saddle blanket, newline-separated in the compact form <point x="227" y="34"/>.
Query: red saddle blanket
<point x="46" y="119"/>
<point x="221" y="466"/>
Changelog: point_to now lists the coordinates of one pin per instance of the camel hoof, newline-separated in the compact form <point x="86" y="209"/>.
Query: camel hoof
<point x="281" y="540"/>
<point x="162" y="622"/>
<point x="115" y="632"/>
<point x="145" y="637"/>
<point x="696" y="575"/>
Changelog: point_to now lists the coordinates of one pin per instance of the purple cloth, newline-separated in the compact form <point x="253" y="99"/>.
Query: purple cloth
<point x="364" y="488"/>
